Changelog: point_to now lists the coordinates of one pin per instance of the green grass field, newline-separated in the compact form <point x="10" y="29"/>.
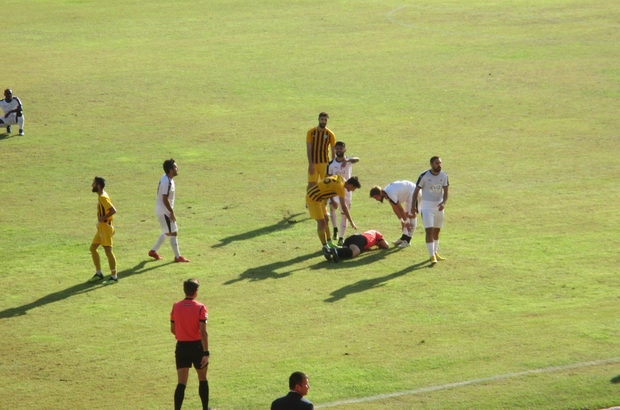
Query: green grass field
<point x="519" y="98"/>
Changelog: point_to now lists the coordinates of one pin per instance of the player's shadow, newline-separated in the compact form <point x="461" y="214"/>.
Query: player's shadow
<point x="269" y="271"/>
<point x="6" y="135"/>
<point x="285" y="223"/>
<point x="367" y="284"/>
<point x="75" y="290"/>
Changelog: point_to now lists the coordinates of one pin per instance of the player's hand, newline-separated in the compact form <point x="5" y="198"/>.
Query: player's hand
<point x="204" y="362"/>
<point x="334" y="204"/>
<point x="7" y="115"/>
<point x="353" y="225"/>
<point x="172" y="217"/>
<point x="441" y="206"/>
<point x="415" y="214"/>
<point x="311" y="169"/>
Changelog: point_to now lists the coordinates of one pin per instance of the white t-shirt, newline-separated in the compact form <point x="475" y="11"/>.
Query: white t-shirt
<point x="432" y="186"/>
<point x="343" y="169"/>
<point x="10" y="106"/>
<point x="400" y="192"/>
<point x="166" y="187"/>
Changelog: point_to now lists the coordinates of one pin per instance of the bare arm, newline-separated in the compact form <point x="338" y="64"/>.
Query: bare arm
<point x="172" y="329"/>
<point x="383" y="244"/>
<point x="204" y="338"/>
<point x="414" y="203"/>
<point x="353" y="160"/>
<point x="345" y="211"/>
<point x="309" y="154"/>
<point x="108" y="214"/>
<point x="442" y="205"/>
<point x="168" y="207"/>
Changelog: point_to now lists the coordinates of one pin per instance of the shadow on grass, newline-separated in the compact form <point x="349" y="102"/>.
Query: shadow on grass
<point x="616" y="380"/>
<point x="269" y="271"/>
<point x="285" y="223"/>
<point x="5" y="136"/>
<point x="367" y="284"/>
<point x="75" y="290"/>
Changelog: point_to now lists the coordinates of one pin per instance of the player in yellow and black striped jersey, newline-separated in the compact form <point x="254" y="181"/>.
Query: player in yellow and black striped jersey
<point x="327" y="188"/>
<point x="105" y="232"/>
<point x="318" y="141"/>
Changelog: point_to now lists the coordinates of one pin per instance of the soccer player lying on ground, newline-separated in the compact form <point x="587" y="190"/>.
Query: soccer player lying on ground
<point x="356" y="244"/>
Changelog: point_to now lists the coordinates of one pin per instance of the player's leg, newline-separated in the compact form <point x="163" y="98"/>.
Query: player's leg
<point x="20" y="122"/>
<point x="438" y="225"/>
<point x="179" y="392"/>
<point x="203" y="387"/>
<point x="165" y="229"/>
<point x="428" y="217"/>
<point x="333" y="207"/>
<point x="343" y="223"/>
<point x="95" y="255"/>
<point x="107" y="241"/>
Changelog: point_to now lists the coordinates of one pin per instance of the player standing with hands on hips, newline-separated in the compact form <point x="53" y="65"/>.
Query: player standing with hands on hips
<point x="434" y="185"/>
<point x="165" y="212"/>
<point x="188" y="324"/>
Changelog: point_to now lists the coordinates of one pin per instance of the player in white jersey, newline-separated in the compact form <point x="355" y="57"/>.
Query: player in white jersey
<point x="165" y="212"/>
<point x="433" y="184"/>
<point x="400" y="196"/>
<point x="12" y="109"/>
<point x="343" y="166"/>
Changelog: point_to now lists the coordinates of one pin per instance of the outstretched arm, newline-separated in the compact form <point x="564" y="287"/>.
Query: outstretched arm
<point x="345" y="211"/>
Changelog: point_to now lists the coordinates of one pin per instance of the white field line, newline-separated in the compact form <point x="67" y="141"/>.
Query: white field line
<point x="467" y="383"/>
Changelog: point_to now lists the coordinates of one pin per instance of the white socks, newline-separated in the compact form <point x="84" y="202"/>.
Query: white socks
<point x="175" y="246"/>
<point x="431" y="248"/>
<point x="160" y="240"/>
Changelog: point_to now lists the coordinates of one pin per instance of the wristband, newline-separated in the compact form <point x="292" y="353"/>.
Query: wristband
<point x="205" y="353"/>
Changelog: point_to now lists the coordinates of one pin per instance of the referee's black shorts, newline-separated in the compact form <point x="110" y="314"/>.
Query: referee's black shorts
<point x="188" y="354"/>
<point x="356" y="239"/>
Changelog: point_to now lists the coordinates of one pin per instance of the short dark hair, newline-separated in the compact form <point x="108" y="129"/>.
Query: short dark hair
<point x="168" y="165"/>
<point x="296" y="379"/>
<point x="100" y="181"/>
<point x="190" y="287"/>
<point x="323" y="114"/>
<point x="341" y="143"/>
<point x="433" y="159"/>
<point x="354" y="181"/>
<point x="375" y="190"/>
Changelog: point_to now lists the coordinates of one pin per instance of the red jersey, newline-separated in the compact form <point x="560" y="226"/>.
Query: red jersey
<point x="372" y="237"/>
<point x="187" y="315"/>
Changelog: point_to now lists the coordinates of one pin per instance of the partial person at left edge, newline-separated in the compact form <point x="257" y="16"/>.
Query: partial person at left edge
<point x="12" y="109"/>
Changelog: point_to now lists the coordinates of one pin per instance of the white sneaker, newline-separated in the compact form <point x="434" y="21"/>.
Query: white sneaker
<point x="404" y="244"/>
<point x="398" y="242"/>
<point x="21" y="133"/>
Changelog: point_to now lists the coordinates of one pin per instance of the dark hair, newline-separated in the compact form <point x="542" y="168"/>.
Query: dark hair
<point x="375" y="190"/>
<point x="354" y="181"/>
<point x="296" y="379"/>
<point x="168" y="165"/>
<point x="100" y="181"/>
<point x="341" y="143"/>
<point x="433" y="159"/>
<point x="190" y="287"/>
<point x="323" y="114"/>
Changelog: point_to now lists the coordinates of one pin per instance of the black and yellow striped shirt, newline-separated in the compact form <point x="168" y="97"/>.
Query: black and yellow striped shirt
<point x="327" y="188"/>
<point x="321" y="141"/>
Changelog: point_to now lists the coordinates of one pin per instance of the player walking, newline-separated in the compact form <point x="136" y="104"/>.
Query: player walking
<point x="105" y="233"/>
<point x="434" y="185"/>
<point x="165" y="212"/>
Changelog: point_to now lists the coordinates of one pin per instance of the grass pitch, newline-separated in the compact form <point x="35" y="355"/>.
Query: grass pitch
<point x="521" y="100"/>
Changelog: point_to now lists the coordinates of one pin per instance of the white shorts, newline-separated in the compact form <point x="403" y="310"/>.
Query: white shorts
<point x="347" y="199"/>
<point x="167" y="226"/>
<point x="432" y="217"/>
<point x="12" y="119"/>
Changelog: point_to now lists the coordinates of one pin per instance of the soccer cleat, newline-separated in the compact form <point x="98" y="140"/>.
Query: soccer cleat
<point x="433" y="260"/>
<point x="326" y="252"/>
<point x="399" y="241"/>
<point x="335" y="234"/>
<point x="155" y="255"/>
<point x="111" y="281"/>
<point x="21" y="133"/>
<point x="96" y="277"/>
<point x="335" y="256"/>
<point x="330" y="244"/>
<point x="439" y="258"/>
<point x="404" y="244"/>
<point x="181" y="259"/>
<point x="340" y="241"/>
<point x="8" y="129"/>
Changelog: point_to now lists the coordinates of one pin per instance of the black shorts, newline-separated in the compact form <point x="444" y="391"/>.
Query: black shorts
<point x="188" y="353"/>
<point x="356" y="239"/>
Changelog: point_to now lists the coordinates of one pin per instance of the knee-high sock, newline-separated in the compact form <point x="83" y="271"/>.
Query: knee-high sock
<point x="203" y="391"/>
<point x="435" y="246"/>
<point x="431" y="248"/>
<point x="111" y="262"/>
<point x="20" y="122"/>
<point x="160" y="240"/>
<point x="334" y="216"/>
<point x="96" y="259"/>
<point x="414" y="224"/>
<point x="179" y="395"/>
<point x="174" y="244"/>
<point x="343" y="226"/>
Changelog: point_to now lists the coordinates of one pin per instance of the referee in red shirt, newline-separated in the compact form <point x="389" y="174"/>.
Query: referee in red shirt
<point x="188" y="323"/>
